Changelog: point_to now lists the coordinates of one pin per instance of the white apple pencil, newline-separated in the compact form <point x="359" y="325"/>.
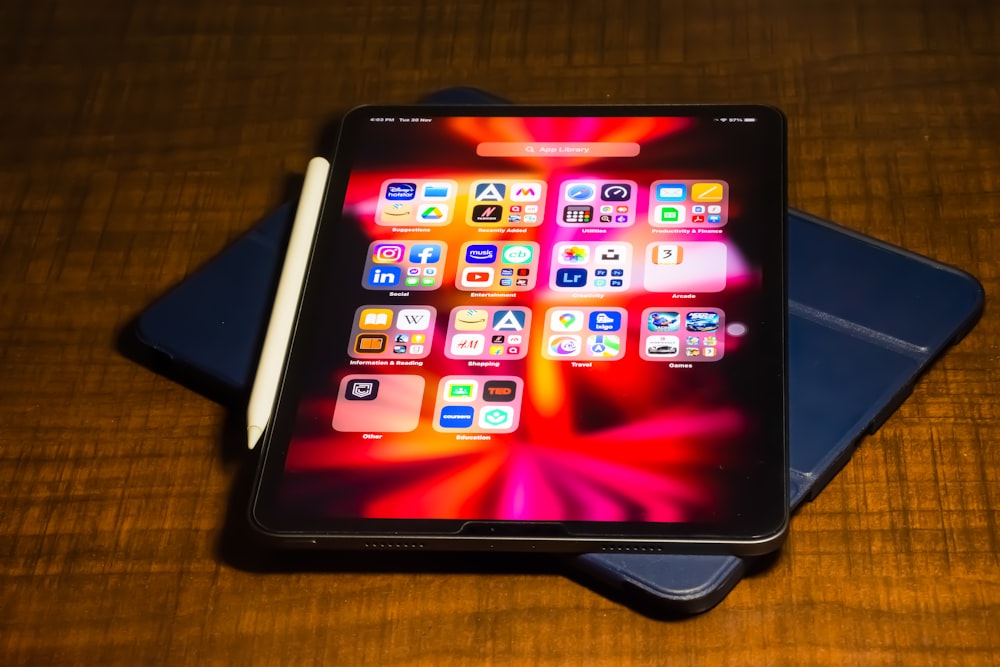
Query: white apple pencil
<point x="286" y="301"/>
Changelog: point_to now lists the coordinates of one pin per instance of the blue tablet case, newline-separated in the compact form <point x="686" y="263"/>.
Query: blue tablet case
<point x="865" y="320"/>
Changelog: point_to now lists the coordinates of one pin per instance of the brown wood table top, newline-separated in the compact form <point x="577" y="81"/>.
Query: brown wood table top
<point x="137" y="138"/>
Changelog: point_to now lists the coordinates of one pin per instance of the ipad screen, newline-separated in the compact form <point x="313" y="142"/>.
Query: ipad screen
<point x="538" y="318"/>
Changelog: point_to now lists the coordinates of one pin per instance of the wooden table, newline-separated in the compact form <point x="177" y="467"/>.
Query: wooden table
<point x="137" y="138"/>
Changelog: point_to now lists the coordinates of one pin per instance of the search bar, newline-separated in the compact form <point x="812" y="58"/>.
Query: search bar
<point x="557" y="149"/>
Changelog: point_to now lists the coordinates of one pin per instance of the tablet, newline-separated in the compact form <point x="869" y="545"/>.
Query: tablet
<point x="540" y="328"/>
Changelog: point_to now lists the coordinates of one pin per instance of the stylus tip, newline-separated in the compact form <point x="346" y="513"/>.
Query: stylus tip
<point x="253" y="435"/>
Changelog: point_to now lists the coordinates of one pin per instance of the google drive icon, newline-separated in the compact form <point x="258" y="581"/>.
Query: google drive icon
<point x="435" y="213"/>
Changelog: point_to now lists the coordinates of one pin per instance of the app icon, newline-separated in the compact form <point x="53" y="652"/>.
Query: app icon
<point x="708" y="351"/>
<point x="566" y="320"/>
<point x="707" y="192"/>
<point x="388" y="253"/>
<point x="425" y="253"/>
<point x="496" y="417"/>
<point x="525" y="192"/>
<point x="487" y="213"/>
<point x="508" y="320"/>
<point x="361" y="389"/>
<point x="477" y="405"/>
<point x="400" y="191"/>
<point x="571" y="278"/>
<point x="671" y="192"/>
<point x="714" y="208"/>
<point x="578" y="214"/>
<point x="375" y="318"/>
<point x="663" y="321"/>
<point x="701" y="321"/>
<point x="609" y="254"/>
<point x="461" y="391"/>
<point x="370" y="343"/>
<point x="418" y="201"/>
<point x="481" y="254"/>
<point x="574" y="254"/>
<point x="508" y="260"/>
<point x="471" y="320"/>
<point x="605" y="320"/>
<point x="497" y="326"/>
<point x="397" y="212"/>
<point x="710" y="340"/>
<point x="467" y="345"/>
<point x="669" y="215"/>
<point x="697" y="219"/>
<point x="397" y="325"/>
<point x="580" y="191"/>
<point x="414" y="319"/>
<point x="667" y="253"/>
<point x="685" y="267"/>
<point x="385" y="276"/>
<point x="499" y="391"/>
<point x="490" y="192"/>
<point x="436" y="191"/>
<point x="517" y="254"/>
<point x="564" y="346"/>
<point x="698" y="208"/>
<point x="382" y="403"/>
<point x="662" y="346"/>
<point x="616" y="192"/>
<point x="456" y="416"/>
<point x="714" y="219"/>
<point x="477" y="277"/>
<point x="434" y="213"/>
<point x="604" y="345"/>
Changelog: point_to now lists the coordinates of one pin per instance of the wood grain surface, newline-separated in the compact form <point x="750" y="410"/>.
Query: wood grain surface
<point x="139" y="137"/>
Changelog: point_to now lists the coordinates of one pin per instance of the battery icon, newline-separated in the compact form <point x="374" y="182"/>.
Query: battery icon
<point x="749" y="120"/>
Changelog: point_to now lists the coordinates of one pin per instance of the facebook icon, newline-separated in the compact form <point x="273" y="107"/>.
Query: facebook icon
<point x="425" y="253"/>
<point x="575" y="277"/>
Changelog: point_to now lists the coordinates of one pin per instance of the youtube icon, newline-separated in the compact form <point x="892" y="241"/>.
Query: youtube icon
<point x="477" y="277"/>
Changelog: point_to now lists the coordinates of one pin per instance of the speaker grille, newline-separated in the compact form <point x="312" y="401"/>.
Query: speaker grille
<point x="393" y="546"/>
<point x="634" y="550"/>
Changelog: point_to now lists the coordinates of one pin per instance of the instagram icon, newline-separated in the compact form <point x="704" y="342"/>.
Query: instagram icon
<point x="388" y="253"/>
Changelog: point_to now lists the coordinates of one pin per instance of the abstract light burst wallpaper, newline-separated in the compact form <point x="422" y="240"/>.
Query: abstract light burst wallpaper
<point x="541" y="319"/>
